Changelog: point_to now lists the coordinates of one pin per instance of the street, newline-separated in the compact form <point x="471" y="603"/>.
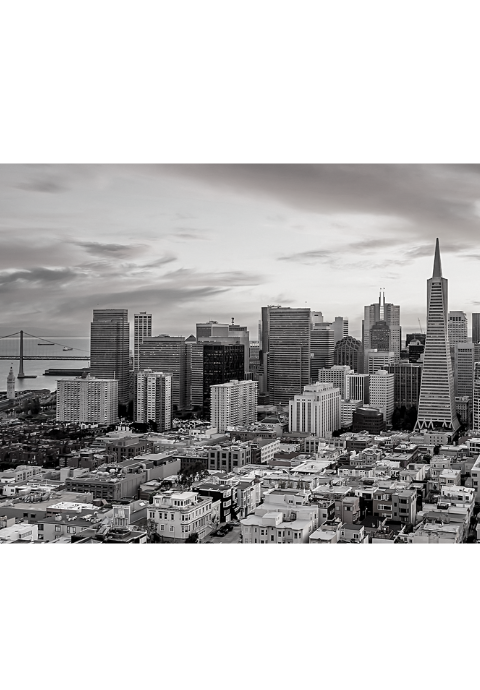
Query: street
<point x="232" y="537"/>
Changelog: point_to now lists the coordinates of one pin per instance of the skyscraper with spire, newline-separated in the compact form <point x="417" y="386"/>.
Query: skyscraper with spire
<point x="381" y="328"/>
<point x="436" y="408"/>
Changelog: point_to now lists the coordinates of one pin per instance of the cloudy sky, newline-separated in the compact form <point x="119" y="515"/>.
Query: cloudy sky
<point x="193" y="243"/>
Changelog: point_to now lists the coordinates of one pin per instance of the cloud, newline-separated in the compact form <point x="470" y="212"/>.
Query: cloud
<point x="43" y="185"/>
<point x="39" y="275"/>
<point x="105" y="248"/>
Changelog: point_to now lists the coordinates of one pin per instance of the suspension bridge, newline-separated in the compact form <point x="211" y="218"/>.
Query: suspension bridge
<point x="25" y="346"/>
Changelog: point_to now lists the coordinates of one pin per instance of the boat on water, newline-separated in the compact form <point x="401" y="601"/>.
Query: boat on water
<point x="45" y="343"/>
<point x="67" y="349"/>
<point x="27" y="376"/>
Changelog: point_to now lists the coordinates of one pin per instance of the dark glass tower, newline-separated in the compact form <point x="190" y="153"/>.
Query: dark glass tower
<point x="109" y="348"/>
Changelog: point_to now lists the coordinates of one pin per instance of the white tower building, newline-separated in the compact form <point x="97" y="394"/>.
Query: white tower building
<point x="382" y="393"/>
<point x="11" y="385"/>
<point x="436" y="409"/>
<point x="233" y="403"/>
<point x="142" y="328"/>
<point x="316" y="411"/>
<point x="87" y="400"/>
<point x="153" y="398"/>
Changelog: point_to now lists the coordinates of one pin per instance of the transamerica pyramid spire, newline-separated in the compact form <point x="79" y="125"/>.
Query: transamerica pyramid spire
<point x="437" y="264"/>
<point x="436" y="408"/>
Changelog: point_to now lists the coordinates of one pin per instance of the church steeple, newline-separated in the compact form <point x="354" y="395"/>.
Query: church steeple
<point x="437" y="264"/>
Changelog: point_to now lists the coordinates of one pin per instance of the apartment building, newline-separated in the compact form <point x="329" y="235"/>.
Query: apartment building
<point x="178" y="514"/>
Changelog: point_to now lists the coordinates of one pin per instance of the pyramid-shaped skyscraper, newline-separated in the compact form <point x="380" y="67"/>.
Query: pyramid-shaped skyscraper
<point x="436" y="408"/>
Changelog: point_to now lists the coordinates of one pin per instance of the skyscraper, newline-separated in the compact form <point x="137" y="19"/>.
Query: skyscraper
<point x="408" y="378"/>
<point x="475" y="328"/>
<point x="476" y="398"/>
<point x="457" y="327"/>
<point x="87" y="400"/>
<point x="221" y="363"/>
<point x="109" y="348"/>
<point x="436" y="410"/>
<point x="153" y="398"/>
<point x="167" y="354"/>
<point x="389" y="315"/>
<point x="322" y="348"/>
<point x="316" y="411"/>
<point x="348" y="351"/>
<point x="233" y="403"/>
<point x="285" y="352"/>
<point x="212" y="331"/>
<point x="382" y="392"/>
<point x="142" y="328"/>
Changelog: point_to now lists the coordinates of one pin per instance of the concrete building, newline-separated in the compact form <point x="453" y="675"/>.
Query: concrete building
<point x="389" y="315"/>
<point x="337" y="375"/>
<point x="457" y="327"/>
<point x="11" y="385"/>
<point x="142" y="328"/>
<point x="476" y="398"/>
<point x="153" y="399"/>
<point x="285" y="517"/>
<point x="178" y="514"/>
<point x="229" y="456"/>
<point x="109" y="348"/>
<point x="382" y="391"/>
<point x="167" y="354"/>
<point x="233" y="403"/>
<point x="316" y="411"/>
<point x="347" y="408"/>
<point x="285" y="352"/>
<point x="340" y="328"/>
<point x="357" y="387"/>
<point x="475" y="328"/>
<point x="89" y="400"/>
<point x="348" y="352"/>
<point x="378" y="359"/>
<point x="436" y="409"/>
<point x="222" y="362"/>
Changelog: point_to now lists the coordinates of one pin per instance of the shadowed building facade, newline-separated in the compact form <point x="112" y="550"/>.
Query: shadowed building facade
<point x="109" y="348"/>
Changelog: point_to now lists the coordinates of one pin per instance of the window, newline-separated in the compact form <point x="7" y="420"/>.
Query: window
<point x="58" y="528"/>
<point x="152" y="515"/>
<point x="272" y="538"/>
<point x="172" y="516"/>
<point x="40" y="528"/>
<point x="172" y="528"/>
<point x="162" y="528"/>
<point x="40" y="536"/>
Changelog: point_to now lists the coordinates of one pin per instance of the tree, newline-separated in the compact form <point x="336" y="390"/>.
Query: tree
<point x="192" y="538"/>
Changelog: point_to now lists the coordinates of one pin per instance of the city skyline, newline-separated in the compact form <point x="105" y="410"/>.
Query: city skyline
<point x="160" y="239"/>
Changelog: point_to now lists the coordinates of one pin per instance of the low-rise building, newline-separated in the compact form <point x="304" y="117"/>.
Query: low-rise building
<point x="178" y="514"/>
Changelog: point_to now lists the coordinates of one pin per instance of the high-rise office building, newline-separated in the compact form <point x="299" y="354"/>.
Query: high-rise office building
<point x="322" y="348"/>
<point x="475" y="328"/>
<point x="88" y="400"/>
<point x="457" y="327"/>
<point x="226" y="333"/>
<point x="336" y="375"/>
<point x="11" y="385"/>
<point x="436" y="409"/>
<point x="408" y="378"/>
<point x="221" y="363"/>
<point x="193" y="373"/>
<point x="233" y="403"/>
<point x="389" y="315"/>
<point x="109" y="348"/>
<point x="382" y="392"/>
<point x="316" y="411"/>
<point x="142" y="328"/>
<point x="167" y="354"/>
<point x="153" y="398"/>
<point x="357" y="387"/>
<point x="285" y="352"/>
<point x="379" y="359"/>
<point x="348" y="351"/>
<point x="463" y="372"/>
<point x="340" y="328"/>
<point x="476" y="398"/>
